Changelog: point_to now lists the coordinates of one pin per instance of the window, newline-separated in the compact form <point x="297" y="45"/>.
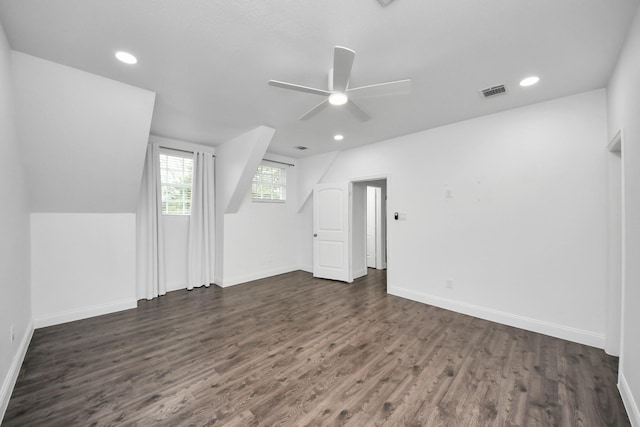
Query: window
<point x="176" y="175"/>
<point x="269" y="184"/>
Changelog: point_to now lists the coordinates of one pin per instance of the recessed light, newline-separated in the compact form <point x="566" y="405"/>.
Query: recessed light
<point x="529" y="81"/>
<point x="338" y="137"/>
<point x="126" y="57"/>
<point x="338" y="98"/>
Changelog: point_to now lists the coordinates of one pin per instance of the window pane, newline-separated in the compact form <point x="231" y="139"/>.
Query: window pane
<point x="269" y="183"/>
<point x="176" y="175"/>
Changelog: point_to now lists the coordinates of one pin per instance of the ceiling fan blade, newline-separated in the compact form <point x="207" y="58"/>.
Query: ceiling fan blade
<point x="399" y="87"/>
<point x="315" y="110"/>
<point x="299" y="88"/>
<point x="357" y="111"/>
<point x="342" y="63"/>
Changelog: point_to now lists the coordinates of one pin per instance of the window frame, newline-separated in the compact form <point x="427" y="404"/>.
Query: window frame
<point x="182" y="155"/>
<point x="282" y="184"/>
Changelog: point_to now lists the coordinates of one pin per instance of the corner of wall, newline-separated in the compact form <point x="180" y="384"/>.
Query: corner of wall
<point x="236" y="163"/>
<point x="312" y="169"/>
<point x="629" y="401"/>
<point x="83" y="313"/>
<point x="10" y="379"/>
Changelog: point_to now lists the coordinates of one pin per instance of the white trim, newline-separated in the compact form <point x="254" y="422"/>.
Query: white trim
<point x="615" y="145"/>
<point x="260" y="182"/>
<point x="360" y="273"/>
<point x="377" y="177"/>
<point x="569" y="333"/>
<point x="237" y="280"/>
<point x="630" y="403"/>
<point x="268" y="200"/>
<point x="12" y="375"/>
<point x="305" y="267"/>
<point x="83" y="313"/>
<point x="623" y="255"/>
<point x="615" y="249"/>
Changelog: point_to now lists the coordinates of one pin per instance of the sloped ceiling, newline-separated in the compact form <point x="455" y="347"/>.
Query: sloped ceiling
<point x="83" y="137"/>
<point x="209" y="61"/>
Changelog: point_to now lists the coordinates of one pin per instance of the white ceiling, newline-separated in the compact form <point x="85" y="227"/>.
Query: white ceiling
<point x="209" y="60"/>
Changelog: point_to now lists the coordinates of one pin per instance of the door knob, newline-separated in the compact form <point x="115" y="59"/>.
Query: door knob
<point x="315" y="234"/>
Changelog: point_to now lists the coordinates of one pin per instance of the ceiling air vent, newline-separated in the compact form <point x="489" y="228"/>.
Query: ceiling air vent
<point x="493" y="91"/>
<point x="300" y="147"/>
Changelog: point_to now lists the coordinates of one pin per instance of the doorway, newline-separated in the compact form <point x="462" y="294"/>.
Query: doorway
<point x="369" y="225"/>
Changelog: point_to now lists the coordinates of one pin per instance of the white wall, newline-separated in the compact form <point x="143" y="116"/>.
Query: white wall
<point x="310" y="172"/>
<point x="84" y="137"/>
<point x="83" y="265"/>
<point x="304" y="231"/>
<point x="261" y="239"/>
<point x="236" y="163"/>
<point x="524" y="235"/>
<point x="84" y="140"/>
<point x="624" y="111"/>
<point x="15" y="307"/>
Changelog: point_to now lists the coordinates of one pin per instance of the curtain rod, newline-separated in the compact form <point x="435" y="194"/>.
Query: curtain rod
<point x="282" y="163"/>
<point x="177" y="149"/>
<point x="189" y="151"/>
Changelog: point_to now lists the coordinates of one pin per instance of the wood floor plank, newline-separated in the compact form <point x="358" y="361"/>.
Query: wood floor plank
<point x="294" y="350"/>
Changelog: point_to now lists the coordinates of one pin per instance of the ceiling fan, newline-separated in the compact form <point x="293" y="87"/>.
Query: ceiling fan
<point x="339" y="93"/>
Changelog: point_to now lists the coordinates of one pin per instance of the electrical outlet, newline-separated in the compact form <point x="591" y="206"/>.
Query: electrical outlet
<point x="12" y="333"/>
<point x="449" y="283"/>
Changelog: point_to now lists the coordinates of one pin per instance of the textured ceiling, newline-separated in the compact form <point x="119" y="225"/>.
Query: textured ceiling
<point x="209" y="60"/>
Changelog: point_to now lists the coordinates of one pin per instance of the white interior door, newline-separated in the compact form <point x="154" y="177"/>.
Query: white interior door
<point x="372" y="194"/>
<point x="331" y="238"/>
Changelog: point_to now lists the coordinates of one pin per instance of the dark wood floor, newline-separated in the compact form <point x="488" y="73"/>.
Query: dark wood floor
<point x="293" y="350"/>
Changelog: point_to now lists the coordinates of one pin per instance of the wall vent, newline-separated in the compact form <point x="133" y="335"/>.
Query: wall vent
<point x="300" y="147"/>
<point x="493" y="91"/>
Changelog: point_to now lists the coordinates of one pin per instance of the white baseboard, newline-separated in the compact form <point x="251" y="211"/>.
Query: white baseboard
<point x="307" y="268"/>
<point x="83" y="313"/>
<point x="547" y="328"/>
<point x="256" y="276"/>
<point x="14" y="369"/>
<point x="630" y="404"/>
<point x="360" y="273"/>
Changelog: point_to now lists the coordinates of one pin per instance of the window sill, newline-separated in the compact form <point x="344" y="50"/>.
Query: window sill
<point x="267" y="201"/>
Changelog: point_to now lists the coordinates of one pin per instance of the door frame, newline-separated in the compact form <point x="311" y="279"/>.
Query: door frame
<point x="616" y="251"/>
<point x="388" y="234"/>
<point x="373" y="222"/>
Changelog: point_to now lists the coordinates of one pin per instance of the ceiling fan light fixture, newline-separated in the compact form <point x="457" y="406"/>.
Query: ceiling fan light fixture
<point x="338" y="90"/>
<point x="338" y="98"/>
